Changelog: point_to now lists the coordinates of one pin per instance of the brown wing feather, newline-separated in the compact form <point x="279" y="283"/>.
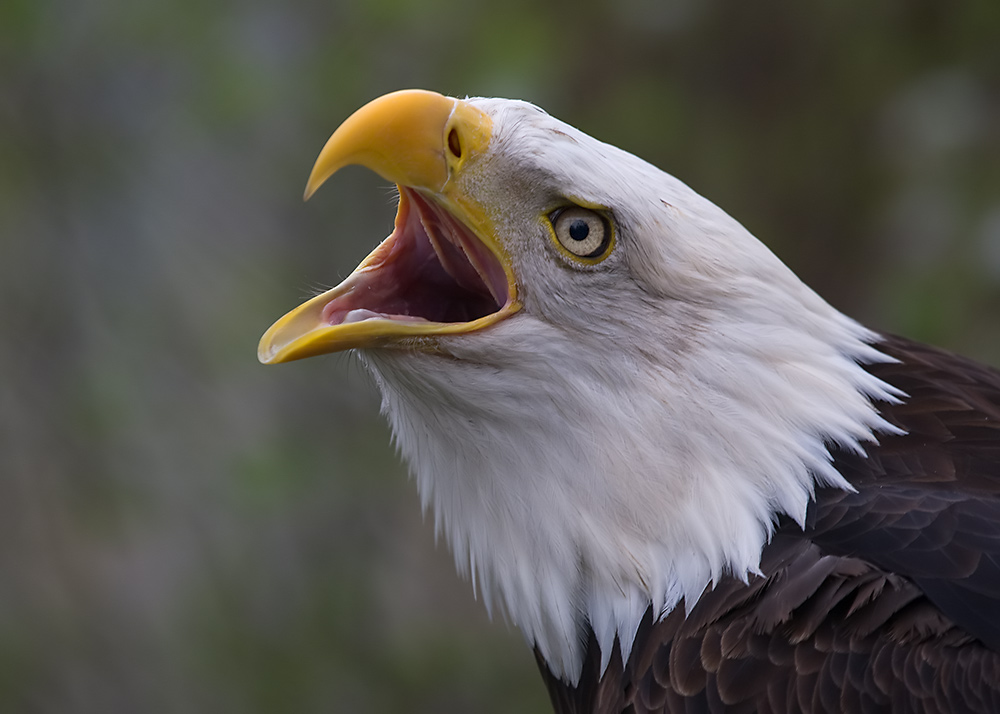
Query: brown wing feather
<point x="888" y="601"/>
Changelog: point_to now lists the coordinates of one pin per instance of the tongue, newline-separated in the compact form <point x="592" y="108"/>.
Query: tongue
<point x="362" y="314"/>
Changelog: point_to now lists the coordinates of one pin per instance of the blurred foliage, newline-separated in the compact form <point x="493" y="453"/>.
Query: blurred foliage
<point x="186" y="531"/>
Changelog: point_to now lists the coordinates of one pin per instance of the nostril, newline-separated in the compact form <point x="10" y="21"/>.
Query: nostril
<point x="454" y="143"/>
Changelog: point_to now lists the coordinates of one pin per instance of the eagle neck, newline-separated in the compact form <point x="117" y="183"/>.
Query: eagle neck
<point x="579" y="498"/>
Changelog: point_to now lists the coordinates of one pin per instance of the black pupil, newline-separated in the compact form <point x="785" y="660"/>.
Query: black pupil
<point x="579" y="230"/>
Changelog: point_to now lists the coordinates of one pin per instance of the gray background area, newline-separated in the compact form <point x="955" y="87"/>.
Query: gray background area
<point x="184" y="530"/>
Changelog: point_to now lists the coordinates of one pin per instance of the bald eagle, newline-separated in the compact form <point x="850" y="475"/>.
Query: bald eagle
<point x="690" y="482"/>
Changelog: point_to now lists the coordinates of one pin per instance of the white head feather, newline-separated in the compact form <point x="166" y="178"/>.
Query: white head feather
<point x="634" y="431"/>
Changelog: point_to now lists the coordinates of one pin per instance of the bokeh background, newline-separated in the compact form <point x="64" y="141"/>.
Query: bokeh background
<point x="184" y="530"/>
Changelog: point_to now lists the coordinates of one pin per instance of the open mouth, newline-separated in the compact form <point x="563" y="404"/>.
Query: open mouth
<point x="443" y="270"/>
<point x="433" y="276"/>
<point x="431" y="269"/>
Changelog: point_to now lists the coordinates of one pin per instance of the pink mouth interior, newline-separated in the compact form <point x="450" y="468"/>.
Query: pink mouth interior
<point x="432" y="268"/>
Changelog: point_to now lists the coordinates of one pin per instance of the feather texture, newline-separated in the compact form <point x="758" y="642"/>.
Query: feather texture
<point x="886" y="600"/>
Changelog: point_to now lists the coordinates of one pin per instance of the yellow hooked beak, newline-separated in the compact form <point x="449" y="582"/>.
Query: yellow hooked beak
<point x="442" y="271"/>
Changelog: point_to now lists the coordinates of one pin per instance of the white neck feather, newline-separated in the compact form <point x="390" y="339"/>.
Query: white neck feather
<point x="583" y="496"/>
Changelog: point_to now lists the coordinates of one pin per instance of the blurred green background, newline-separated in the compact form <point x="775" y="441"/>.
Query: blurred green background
<point x="184" y="530"/>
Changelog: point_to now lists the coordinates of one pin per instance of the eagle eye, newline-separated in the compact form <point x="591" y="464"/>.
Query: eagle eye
<point x="582" y="232"/>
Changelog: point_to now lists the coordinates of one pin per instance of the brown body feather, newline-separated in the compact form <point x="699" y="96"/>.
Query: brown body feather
<point x="888" y="601"/>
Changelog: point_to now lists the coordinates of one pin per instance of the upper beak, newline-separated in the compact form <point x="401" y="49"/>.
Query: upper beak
<point x="419" y="140"/>
<point x="400" y="136"/>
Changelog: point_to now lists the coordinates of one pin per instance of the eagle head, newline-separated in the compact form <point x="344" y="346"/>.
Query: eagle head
<point x="606" y="389"/>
